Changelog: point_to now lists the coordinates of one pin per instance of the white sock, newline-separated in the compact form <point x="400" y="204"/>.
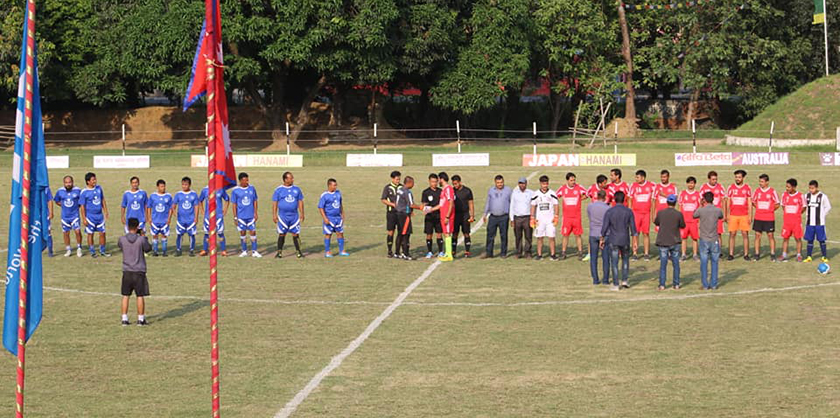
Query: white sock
<point x="141" y="317"/>
<point x="67" y="247"/>
<point x="125" y="317"/>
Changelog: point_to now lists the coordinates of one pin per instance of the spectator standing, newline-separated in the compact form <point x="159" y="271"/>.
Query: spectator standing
<point x="134" y="248"/>
<point x="670" y="222"/>
<point x="596" y="211"/>
<point x="496" y="215"/>
<point x="619" y="226"/>
<point x="520" y="217"/>
<point x="708" y="217"/>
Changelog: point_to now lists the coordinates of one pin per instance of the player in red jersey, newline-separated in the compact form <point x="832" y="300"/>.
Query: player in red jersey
<point x="616" y="185"/>
<point x="793" y="203"/>
<point x="571" y="196"/>
<point x="600" y="184"/>
<point x="641" y="201"/>
<point x="663" y="190"/>
<point x="447" y="214"/>
<point x="766" y="201"/>
<point x="738" y="213"/>
<point x="718" y="191"/>
<point x="689" y="201"/>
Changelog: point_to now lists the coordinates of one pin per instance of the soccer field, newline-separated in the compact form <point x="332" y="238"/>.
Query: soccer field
<point x="500" y="337"/>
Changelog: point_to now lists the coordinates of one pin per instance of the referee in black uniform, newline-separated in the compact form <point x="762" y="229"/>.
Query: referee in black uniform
<point x="389" y="199"/>
<point x="431" y="198"/>
<point x="464" y="214"/>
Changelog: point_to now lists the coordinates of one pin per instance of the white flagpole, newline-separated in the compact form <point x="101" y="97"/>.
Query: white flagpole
<point x="825" y="36"/>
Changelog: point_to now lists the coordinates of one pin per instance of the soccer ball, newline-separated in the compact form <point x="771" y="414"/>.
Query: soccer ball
<point x="823" y="268"/>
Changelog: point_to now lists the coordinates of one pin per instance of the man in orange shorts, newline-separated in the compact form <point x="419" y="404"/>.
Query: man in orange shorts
<point x="738" y="213"/>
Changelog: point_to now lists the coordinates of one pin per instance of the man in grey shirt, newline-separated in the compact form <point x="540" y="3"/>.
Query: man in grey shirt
<point x="496" y="214"/>
<point x="134" y="248"/>
<point x="520" y="217"/>
<point x="595" y="211"/>
<point x="709" y="243"/>
<point x="670" y="222"/>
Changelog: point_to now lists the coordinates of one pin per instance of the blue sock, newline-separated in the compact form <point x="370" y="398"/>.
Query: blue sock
<point x="823" y="249"/>
<point x="163" y="243"/>
<point x="326" y="245"/>
<point x="192" y="242"/>
<point x="50" y="243"/>
<point x="92" y="250"/>
<point x="206" y="242"/>
<point x="810" y="248"/>
<point x="155" y="245"/>
<point x="220" y="239"/>
<point x="244" y="244"/>
<point x="102" y="249"/>
<point x="178" y="242"/>
<point x="341" y="245"/>
<point x="254" y="242"/>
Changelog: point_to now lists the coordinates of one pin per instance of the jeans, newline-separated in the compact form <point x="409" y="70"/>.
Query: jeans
<point x="500" y="222"/>
<point x="709" y="250"/>
<point x="594" y="249"/>
<point x="522" y="232"/>
<point x="624" y="252"/>
<point x="673" y="253"/>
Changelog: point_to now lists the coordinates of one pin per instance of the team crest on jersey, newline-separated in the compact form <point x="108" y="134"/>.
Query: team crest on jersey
<point x="289" y="198"/>
<point x="246" y="200"/>
<point x="68" y="203"/>
<point x="186" y="205"/>
<point x="431" y="198"/>
<point x="96" y="200"/>
<point x="160" y="207"/>
<point x="336" y="204"/>
<point x="135" y="205"/>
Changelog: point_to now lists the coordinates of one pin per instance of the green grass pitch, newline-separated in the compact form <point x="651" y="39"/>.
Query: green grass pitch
<point x="476" y="338"/>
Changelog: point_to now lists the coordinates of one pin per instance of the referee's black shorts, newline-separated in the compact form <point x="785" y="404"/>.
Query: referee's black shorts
<point x="432" y="225"/>
<point x="764" y="226"/>
<point x="462" y="223"/>
<point x="391" y="220"/>
<point x="135" y="281"/>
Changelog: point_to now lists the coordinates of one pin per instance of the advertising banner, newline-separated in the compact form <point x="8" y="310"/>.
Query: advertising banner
<point x="578" y="160"/>
<point x="461" y="160"/>
<point x="374" y="160"/>
<point x="119" y="161"/>
<point x="58" y="161"/>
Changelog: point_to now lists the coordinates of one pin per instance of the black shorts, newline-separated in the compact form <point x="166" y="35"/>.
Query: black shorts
<point x="462" y="223"/>
<point x="404" y="222"/>
<point x="432" y="225"/>
<point x="135" y="281"/>
<point x="391" y="220"/>
<point x="764" y="226"/>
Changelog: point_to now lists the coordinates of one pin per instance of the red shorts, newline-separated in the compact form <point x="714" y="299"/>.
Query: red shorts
<point x="720" y="227"/>
<point x="691" y="230"/>
<point x="792" y="229"/>
<point x="572" y="226"/>
<point x="642" y="222"/>
<point x="448" y="228"/>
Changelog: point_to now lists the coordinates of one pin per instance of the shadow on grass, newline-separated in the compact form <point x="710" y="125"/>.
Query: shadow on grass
<point x="180" y="311"/>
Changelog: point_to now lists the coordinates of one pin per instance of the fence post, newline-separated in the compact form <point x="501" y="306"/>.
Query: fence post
<point x="458" y="130"/>
<point x="772" y="127"/>
<point x="374" y="138"/>
<point x="535" y="138"/>
<point x="693" y="137"/>
<point x="288" y="141"/>
<point x="123" y="139"/>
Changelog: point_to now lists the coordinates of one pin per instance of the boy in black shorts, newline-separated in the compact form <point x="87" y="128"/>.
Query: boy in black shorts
<point x="431" y="198"/>
<point x="389" y="199"/>
<point x="134" y="246"/>
<point x="464" y="214"/>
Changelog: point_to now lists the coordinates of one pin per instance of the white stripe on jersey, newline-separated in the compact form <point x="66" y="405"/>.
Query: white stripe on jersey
<point x="818" y="207"/>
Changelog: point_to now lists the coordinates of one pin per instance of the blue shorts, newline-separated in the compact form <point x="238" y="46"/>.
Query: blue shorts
<point x="336" y="225"/>
<point x="68" y="225"/>
<point x="289" y="224"/>
<point x="812" y="231"/>
<point x="159" y="229"/>
<point x="220" y="225"/>
<point x="141" y="227"/>
<point x="246" y="224"/>
<point x="94" y="224"/>
<point x="182" y="229"/>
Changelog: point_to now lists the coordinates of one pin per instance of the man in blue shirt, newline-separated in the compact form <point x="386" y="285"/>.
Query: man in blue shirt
<point x="68" y="198"/>
<point x="94" y="211"/>
<point x="186" y="202"/>
<point x="159" y="211"/>
<point x="619" y="226"/>
<point x="331" y="207"/>
<point x="222" y="203"/>
<point x="134" y="205"/>
<point x="244" y="201"/>
<point x="287" y="206"/>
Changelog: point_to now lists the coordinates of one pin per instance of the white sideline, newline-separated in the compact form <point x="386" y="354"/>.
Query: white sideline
<point x="336" y="361"/>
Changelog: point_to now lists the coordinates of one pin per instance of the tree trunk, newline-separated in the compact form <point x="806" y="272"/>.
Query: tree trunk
<point x="556" y="112"/>
<point x="303" y="114"/>
<point x="372" y="107"/>
<point x="630" y="106"/>
<point x="692" y="107"/>
<point x="337" y="108"/>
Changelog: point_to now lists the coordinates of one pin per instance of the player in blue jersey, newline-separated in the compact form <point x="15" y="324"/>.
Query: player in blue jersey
<point x="68" y="198"/>
<point x="48" y="226"/>
<point x="331" y="206"/>
<point x="287" y="206"/>
<point x="244" y="201"/>
<point x="134" y="205"/>
<point x="94" y="212"/>
<point x="185" y="205"/>
<point x="222" y="203"/>
<point x="159" y="212"/>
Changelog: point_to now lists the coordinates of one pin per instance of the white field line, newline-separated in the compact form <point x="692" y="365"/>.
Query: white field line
<point x="336" y="361"/>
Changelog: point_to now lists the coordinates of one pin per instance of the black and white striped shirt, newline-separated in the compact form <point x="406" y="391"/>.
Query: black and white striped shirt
<point x="817" y="206"/>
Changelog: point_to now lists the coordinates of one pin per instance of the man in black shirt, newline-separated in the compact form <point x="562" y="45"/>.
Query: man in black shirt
<point x="389" y="199"/>
<point x="464" y="214"/>
<point x="404" y="205"/>
<point x="431" y="198"/>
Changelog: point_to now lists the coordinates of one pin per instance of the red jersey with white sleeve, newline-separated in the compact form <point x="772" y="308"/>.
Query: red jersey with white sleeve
<point x="738" y="196"/>
<point x="571" y="198"/>
<point x="447" y="201"/>
<point x="792" y="205"/>
<point x="662" y="192"/>
<point x="717" y="190"/>
<point x="618" y="187"/>
<point x="765" y="201"/>
<point x="689" y="201"/>
<point x="592" y="192"/>
<point x="643" y="196"/>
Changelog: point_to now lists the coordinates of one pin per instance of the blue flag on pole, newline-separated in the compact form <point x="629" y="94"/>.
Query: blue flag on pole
<point x="38" y="212"/>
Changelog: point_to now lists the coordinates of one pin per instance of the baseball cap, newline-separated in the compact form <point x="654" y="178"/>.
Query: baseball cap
<point x="672" y="198"/>
<point x="523" y="180"/>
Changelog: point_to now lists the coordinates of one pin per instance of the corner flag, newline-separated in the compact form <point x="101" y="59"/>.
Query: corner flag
<point x="29" y="184"/>
<point x="819" y="12"/>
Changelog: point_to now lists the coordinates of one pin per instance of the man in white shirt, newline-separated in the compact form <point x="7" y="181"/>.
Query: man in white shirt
<point x="816" y="209"/>
<point x="545" y="212"/>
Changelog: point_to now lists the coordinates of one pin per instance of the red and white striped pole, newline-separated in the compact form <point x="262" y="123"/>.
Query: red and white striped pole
<point x="212" y="183"/>
<point x="29" y="77"/>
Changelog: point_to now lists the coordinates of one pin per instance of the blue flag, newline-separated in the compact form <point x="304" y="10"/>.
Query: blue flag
<point x="38" y="212"/>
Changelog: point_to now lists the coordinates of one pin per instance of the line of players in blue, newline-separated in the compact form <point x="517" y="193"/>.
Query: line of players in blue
<point x="87" y="209"/>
